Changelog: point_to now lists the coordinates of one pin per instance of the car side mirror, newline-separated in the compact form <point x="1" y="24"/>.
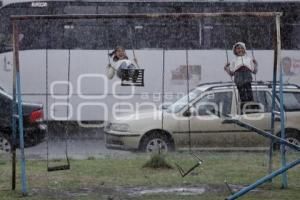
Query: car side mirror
<point x="187" y="113"/>
<point x="191" y="111"/>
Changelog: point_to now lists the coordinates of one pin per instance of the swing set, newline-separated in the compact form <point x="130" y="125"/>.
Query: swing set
<point x="129" y="77"/>
<point x="134" y="78"/>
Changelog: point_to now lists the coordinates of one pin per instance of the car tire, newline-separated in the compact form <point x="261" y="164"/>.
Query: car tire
<point x="5" y="144"/>
<point x="156" y="141"/>
<point x="293" y="136"/>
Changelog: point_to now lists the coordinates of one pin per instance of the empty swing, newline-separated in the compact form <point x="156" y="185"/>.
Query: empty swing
<point x="66" y="166"/>
<point x="129" y="72"/>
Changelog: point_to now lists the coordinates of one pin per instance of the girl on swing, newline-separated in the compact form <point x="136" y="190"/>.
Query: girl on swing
<point x="242" y="68"/>
<point x="121" y="61"/>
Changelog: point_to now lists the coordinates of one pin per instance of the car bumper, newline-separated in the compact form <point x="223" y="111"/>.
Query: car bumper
<point x="35" y="135"/>
<point x="122" y="141"/>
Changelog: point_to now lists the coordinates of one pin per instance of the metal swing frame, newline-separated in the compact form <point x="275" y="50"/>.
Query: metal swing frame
<point x="17" y="83"/>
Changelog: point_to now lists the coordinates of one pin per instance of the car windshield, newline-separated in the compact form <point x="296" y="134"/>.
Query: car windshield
<point x="182" y="102"/>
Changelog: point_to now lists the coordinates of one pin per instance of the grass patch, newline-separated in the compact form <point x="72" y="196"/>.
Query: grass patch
<point x="102" y="178"/>
<point x="2" y="162"/>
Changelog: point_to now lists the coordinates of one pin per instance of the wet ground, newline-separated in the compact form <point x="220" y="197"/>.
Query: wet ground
<point x="103" y="192"/>
<point x="81" y="144"/>
<point x="77" y="149"/>
<point x="86" y="143"/>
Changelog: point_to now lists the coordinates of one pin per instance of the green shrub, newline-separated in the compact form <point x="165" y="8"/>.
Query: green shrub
<point x="157" y="161"/>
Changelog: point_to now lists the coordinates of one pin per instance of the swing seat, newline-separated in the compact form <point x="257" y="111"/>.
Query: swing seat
<point x="58" y="168"/>
<point x="66" y="166"/>
<point x="132" y="77"/>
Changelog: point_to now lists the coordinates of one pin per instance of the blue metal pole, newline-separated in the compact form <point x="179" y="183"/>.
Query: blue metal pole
<point x="14" y="131"/>
<point x="263" y="180"/>
<point x="282" y="126"/>
<point x="21" y="133"/>
<point x="20" y="110"/>
<point x="273" y="98"/>
<point x="282" y="116"/>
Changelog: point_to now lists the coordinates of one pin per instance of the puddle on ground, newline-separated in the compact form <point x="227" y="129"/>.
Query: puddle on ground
<point x="139" y="191"/>
<point x="119" y="192"/>
<point x="80" y="192"/>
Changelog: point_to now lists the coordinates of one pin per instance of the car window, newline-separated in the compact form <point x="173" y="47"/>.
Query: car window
<point x="219" y="101"/>
<point x="269" y="102"/>
<point x="182" y="102"/>
<point x="264" y="99"/>
<point x="262" y="102"/>
<point x="291" y="101"/>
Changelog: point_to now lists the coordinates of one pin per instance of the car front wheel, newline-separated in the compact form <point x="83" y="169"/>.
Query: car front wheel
<point x="5" y="145"/>
<point x="156" y="141"/>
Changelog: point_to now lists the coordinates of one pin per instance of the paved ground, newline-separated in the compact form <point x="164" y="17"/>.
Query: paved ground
<point x="77" y="148"/>
<point x="85" y="143"/>
<point x="81" y="144"/>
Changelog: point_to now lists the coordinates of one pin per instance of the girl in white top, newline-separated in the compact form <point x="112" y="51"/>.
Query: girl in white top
<point x="121" y="61"/>
<point x="242" y="68"/>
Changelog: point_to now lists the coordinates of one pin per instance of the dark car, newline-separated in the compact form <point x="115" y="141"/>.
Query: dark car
<point x="34" y="128"/>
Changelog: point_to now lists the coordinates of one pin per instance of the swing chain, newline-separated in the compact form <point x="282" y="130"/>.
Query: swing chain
<point x="183" y="173"/>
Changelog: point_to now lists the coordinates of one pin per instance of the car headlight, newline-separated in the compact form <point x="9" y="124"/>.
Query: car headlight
<point x="119" y="127"/>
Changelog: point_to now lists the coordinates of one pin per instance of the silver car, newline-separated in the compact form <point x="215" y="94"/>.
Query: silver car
<point x="199" y="123"/>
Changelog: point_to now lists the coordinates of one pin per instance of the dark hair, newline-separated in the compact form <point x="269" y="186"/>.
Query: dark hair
<point x="113" y="53"/>
<point x="236" y="46"/>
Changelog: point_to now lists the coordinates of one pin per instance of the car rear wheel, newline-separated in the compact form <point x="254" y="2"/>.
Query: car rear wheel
<point x="293" y="136"/>
<point x="156" y="142"/>
<point x="5" y="145"/>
